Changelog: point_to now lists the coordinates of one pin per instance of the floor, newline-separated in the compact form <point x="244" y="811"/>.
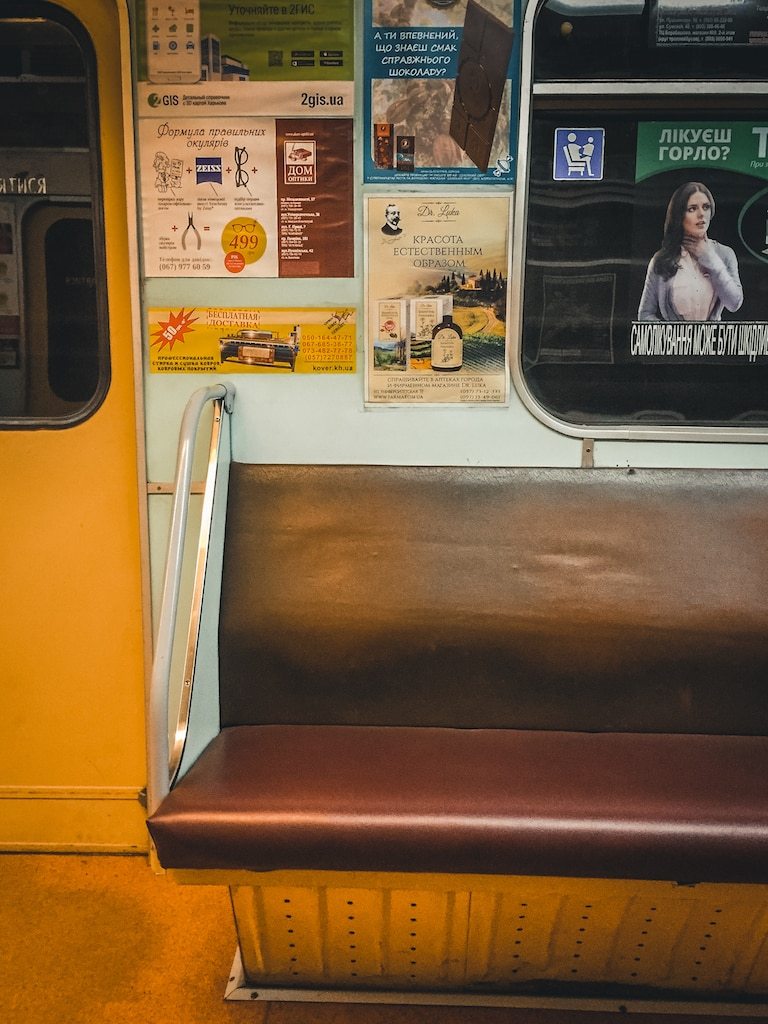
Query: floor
<point x="104" y="940"/>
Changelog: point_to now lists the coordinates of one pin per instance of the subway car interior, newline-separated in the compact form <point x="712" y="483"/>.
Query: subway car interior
<point x="384" y="422"/>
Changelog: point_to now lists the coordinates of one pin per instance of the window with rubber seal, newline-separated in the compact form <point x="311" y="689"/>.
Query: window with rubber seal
<point x="646" y="248"/>
<point x="54" y="363"/>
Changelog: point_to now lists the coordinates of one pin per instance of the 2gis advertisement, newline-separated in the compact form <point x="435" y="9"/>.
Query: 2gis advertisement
<point x="245" y="138"/>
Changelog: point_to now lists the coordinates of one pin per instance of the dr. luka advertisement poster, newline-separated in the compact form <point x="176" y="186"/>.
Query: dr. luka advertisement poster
<point x="437" y="271"/>
<point x="704" y="296"/>
<point x="440" y="91"/>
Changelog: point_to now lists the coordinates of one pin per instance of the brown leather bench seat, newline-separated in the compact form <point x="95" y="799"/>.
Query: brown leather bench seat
<point x="651" y="806"/>
<point x="475" y="670"/>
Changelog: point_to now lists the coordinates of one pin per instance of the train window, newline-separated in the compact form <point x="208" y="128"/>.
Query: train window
<point x="594" y="40"/>
<point x="646" y="293"/>
<point x="54" y="356"/>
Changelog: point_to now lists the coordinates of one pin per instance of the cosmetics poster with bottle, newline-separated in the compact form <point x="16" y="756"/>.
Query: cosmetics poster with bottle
<point x="436" y="299"/>
<point x="440" y="91"/>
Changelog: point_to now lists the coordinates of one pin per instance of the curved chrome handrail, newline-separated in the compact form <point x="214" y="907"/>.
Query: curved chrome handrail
<point x="159" y="758"/>
<point x="193" y="630"/>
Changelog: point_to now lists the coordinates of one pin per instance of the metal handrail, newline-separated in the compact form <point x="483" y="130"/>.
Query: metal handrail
<point x="159" y="755"/>
<point x="195" y="613"/>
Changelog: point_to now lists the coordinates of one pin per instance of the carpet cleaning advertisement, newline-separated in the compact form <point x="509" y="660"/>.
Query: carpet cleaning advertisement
<point x="268" y="341"/>
<point x="441" y="86"/>
<point x="437" y="273"/>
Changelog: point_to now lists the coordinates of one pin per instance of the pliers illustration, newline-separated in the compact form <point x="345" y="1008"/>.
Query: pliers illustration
<point x="190" y="227"/>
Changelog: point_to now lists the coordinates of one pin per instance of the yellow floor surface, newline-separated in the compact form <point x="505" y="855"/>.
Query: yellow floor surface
<point x="104" y="940"/>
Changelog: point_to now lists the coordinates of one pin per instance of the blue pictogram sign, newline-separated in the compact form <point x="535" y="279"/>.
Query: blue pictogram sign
<point x="578" y="154"/>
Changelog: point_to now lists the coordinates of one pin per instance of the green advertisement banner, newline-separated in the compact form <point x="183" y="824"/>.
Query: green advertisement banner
<point x="724" y="145"/>
<point x="190" y="41"/>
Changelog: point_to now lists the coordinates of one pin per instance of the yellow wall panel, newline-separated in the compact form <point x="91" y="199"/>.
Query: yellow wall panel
<point x="95" y="821"/>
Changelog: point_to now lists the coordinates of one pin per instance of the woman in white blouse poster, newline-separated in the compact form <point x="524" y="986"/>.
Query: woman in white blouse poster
<point x="691" y="277"/>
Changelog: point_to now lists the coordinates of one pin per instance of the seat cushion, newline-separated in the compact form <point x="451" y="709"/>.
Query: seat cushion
<point x="649" y="806"/>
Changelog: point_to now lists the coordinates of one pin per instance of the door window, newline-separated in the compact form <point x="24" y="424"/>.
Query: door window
<point x="54" y="362"/>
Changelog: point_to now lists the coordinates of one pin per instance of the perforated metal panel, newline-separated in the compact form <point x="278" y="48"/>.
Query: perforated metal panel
<point x="484" y="933"/>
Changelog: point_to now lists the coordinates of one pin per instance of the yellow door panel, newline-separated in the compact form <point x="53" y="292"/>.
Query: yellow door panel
<point x="72" y="730"/>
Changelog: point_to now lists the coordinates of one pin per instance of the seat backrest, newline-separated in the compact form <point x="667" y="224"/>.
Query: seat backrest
<point x="479" y="597"/>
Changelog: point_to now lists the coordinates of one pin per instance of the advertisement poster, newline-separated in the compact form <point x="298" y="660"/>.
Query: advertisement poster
<point x="230" y="56"/>
<point x="264" y="340"/>
<point x="437" y="271"/>
<point x="246" y="196"/>
<point x="704" y="296"/>
<point x="709" y="23"/>
<point x="440" y="87"/>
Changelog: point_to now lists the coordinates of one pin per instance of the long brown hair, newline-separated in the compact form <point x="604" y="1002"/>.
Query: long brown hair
<point x="667" y="259"/>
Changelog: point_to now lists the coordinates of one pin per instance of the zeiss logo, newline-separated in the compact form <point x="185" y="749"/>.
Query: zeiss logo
<point x="208" y="168"/>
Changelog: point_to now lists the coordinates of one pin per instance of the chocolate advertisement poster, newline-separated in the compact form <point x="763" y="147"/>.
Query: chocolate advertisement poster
<point x="440" y="90"/>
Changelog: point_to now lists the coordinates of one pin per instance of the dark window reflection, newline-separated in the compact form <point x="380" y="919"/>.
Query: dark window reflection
<point x="590" y="242"/>
<point x="53" y="339"/>
<point x="581" y="41"/>
<point x="73" y="342"/>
